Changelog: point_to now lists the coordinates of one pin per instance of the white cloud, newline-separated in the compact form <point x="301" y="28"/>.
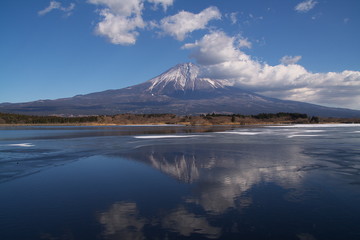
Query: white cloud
<point x="183" y="23"/>
<point x="119" y="29"/>
<point x="120" y="20"/>
<point x="221" y="58"/>
<point x="53" y="5"/>
<point x="244" y="43"/>
<point x="124" y="8"/>
<point x="57" y="5"/>
<point x="305" y="6"/>
<point x="287" y="60"/>
<point x="165" y="3"/>
<point x="232" y="16"/>
<point x="215" y="48"/>
<point x="338" y="89"/>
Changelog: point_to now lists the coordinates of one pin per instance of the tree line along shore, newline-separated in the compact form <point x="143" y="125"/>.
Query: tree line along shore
<point x="203" y="119"/>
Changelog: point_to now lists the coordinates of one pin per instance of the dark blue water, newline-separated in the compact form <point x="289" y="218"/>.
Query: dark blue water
<point x="293" y="182"/>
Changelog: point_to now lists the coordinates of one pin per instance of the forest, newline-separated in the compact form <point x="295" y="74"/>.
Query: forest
<point x="140" y="119"/>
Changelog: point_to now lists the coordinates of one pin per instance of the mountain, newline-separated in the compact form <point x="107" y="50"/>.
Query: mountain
<point x="179" y="90"/>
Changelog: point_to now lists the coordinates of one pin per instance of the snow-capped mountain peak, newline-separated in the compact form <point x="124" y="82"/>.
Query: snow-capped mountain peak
<point x="182" y="77"/>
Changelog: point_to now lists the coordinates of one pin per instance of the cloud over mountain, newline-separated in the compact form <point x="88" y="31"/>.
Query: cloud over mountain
<point x="221" y="58"/>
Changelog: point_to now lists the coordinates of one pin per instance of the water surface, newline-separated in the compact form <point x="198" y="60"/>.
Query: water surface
<point x="274" y="182"/>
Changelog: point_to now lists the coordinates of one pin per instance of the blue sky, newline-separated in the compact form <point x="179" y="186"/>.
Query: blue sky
<point x="306" y="50"/>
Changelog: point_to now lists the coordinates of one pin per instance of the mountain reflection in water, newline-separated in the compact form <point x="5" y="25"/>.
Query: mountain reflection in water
<point x="223" y="173"/>
<point x="221" y="176"/>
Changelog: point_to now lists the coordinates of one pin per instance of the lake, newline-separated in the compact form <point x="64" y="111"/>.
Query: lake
<point x="175" y="182"/>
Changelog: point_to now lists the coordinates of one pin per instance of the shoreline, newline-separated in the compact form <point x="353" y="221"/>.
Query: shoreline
<point x="9" y="120"/>
<point x="170" y="125"/>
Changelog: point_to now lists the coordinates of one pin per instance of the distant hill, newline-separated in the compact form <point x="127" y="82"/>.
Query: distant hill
<point x="180" y="91"/>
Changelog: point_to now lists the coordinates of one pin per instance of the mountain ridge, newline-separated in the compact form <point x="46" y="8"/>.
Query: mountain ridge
<point x="179" y="90"/>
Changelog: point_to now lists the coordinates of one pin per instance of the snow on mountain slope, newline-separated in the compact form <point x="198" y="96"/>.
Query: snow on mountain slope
<point x="183" y="77"/>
